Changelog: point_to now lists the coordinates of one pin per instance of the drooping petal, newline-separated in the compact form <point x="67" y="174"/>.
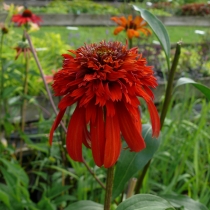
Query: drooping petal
<point x="113" y="143"/>
<point x="66" y="101"/>
<point x="110" y="109"/>
<point x="75" y="134"/>
<point x="129" y="130"/>
<point x="98" y="137"/>
<point x="155" y="120"/>
<point x="55" y="124"/>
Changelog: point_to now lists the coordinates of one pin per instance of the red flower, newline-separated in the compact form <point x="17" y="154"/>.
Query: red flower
<point x="26" y="17"/>
<point x="133" y="27"/>
<point x="105" y="81"/>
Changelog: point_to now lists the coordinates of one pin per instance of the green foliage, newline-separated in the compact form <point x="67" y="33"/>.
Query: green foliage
<point x="144" y="201"/>
<point x="180" y="166"/>
<point x="77" y="7"/>
<point x="85" y="205"/>
<point x="184" y="201"/>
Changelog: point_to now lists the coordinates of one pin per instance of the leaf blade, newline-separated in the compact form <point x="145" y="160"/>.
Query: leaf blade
<point x="131" y="162"/>
<point x="85" y="205"/>
<point x="158" y="29"/>
<point x="145" y="202"/>
<point x="202" y="88"/>
<point x="181" y="200"/>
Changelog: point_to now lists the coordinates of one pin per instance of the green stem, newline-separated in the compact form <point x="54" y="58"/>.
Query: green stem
<point x="1" y="81"/>
<point x="166" y="104"/>
<point x="109" y="185"/>
<point x="23" y="108"/>
<point x="130" y="43"/>
<point x="170" y="84"/>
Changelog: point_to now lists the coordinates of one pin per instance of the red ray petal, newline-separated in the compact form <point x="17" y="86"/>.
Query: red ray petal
<point x="128" y="128"/>
<point x="98" y="137"/>
<point x="110" y="108"/>
<point x="91" y="112"/>
<point x="113" y="143"/>
<point x="87" y="141"/>
<point x="75" y="134"/>
<point x="155" y="120"/>
<point x="66" y="101"/>
<point x="55" y="124"/>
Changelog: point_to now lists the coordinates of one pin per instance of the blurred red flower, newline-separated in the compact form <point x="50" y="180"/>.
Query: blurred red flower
<point x="26" y="17"/>
<point x="25" y="50"/>
<point x="105" y="81"/>
<point x="133" y="27"/>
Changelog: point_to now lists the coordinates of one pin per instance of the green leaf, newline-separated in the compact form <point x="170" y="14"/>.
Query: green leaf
<point x="64" y="171"/>
<point x="181" y="200"/>
<point x="42" y="147"/>
<point x="158" y="29"/>
<point x="57" y="189"/>
<point x="205" y="90"/>
<point x="145" y="202"/>
<point x="16" y="170"/>
<point x="5" y="198"/>
<point x="131" y="162"/>
<point x="59" y="200"/>
<point x="45" y="203"/>
<point x="85" y="205"/>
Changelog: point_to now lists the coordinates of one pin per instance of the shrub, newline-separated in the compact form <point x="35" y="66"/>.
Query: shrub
<point x="195" y="9"/>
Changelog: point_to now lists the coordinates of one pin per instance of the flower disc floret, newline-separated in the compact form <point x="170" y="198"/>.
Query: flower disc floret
<point x="105" y="80"/>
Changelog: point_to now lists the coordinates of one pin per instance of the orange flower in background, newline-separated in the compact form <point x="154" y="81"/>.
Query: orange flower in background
<point x="26" y="17"/>
<point x="105" y="81"/>
<point x="133" y="27"/>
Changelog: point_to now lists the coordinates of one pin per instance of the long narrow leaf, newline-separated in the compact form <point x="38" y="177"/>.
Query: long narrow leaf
<point x="202" y="88"/>
<point x="158" y="29"/>
<point x="130" y="163"/>
<point x="85" y="205"/>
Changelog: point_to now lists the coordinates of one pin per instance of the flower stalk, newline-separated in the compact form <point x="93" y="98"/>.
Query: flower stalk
<point x="42" y="75"/>
<point x="23" y="108"/>
<point x="109" y="185"/>
<point x="1" y="78"/>
<point x="170" y="84"/>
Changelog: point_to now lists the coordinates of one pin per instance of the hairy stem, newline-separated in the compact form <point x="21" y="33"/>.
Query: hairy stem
<point x="42" y="75"/>
<point x="93" y="174"/>
<point x="109" y="185"/>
